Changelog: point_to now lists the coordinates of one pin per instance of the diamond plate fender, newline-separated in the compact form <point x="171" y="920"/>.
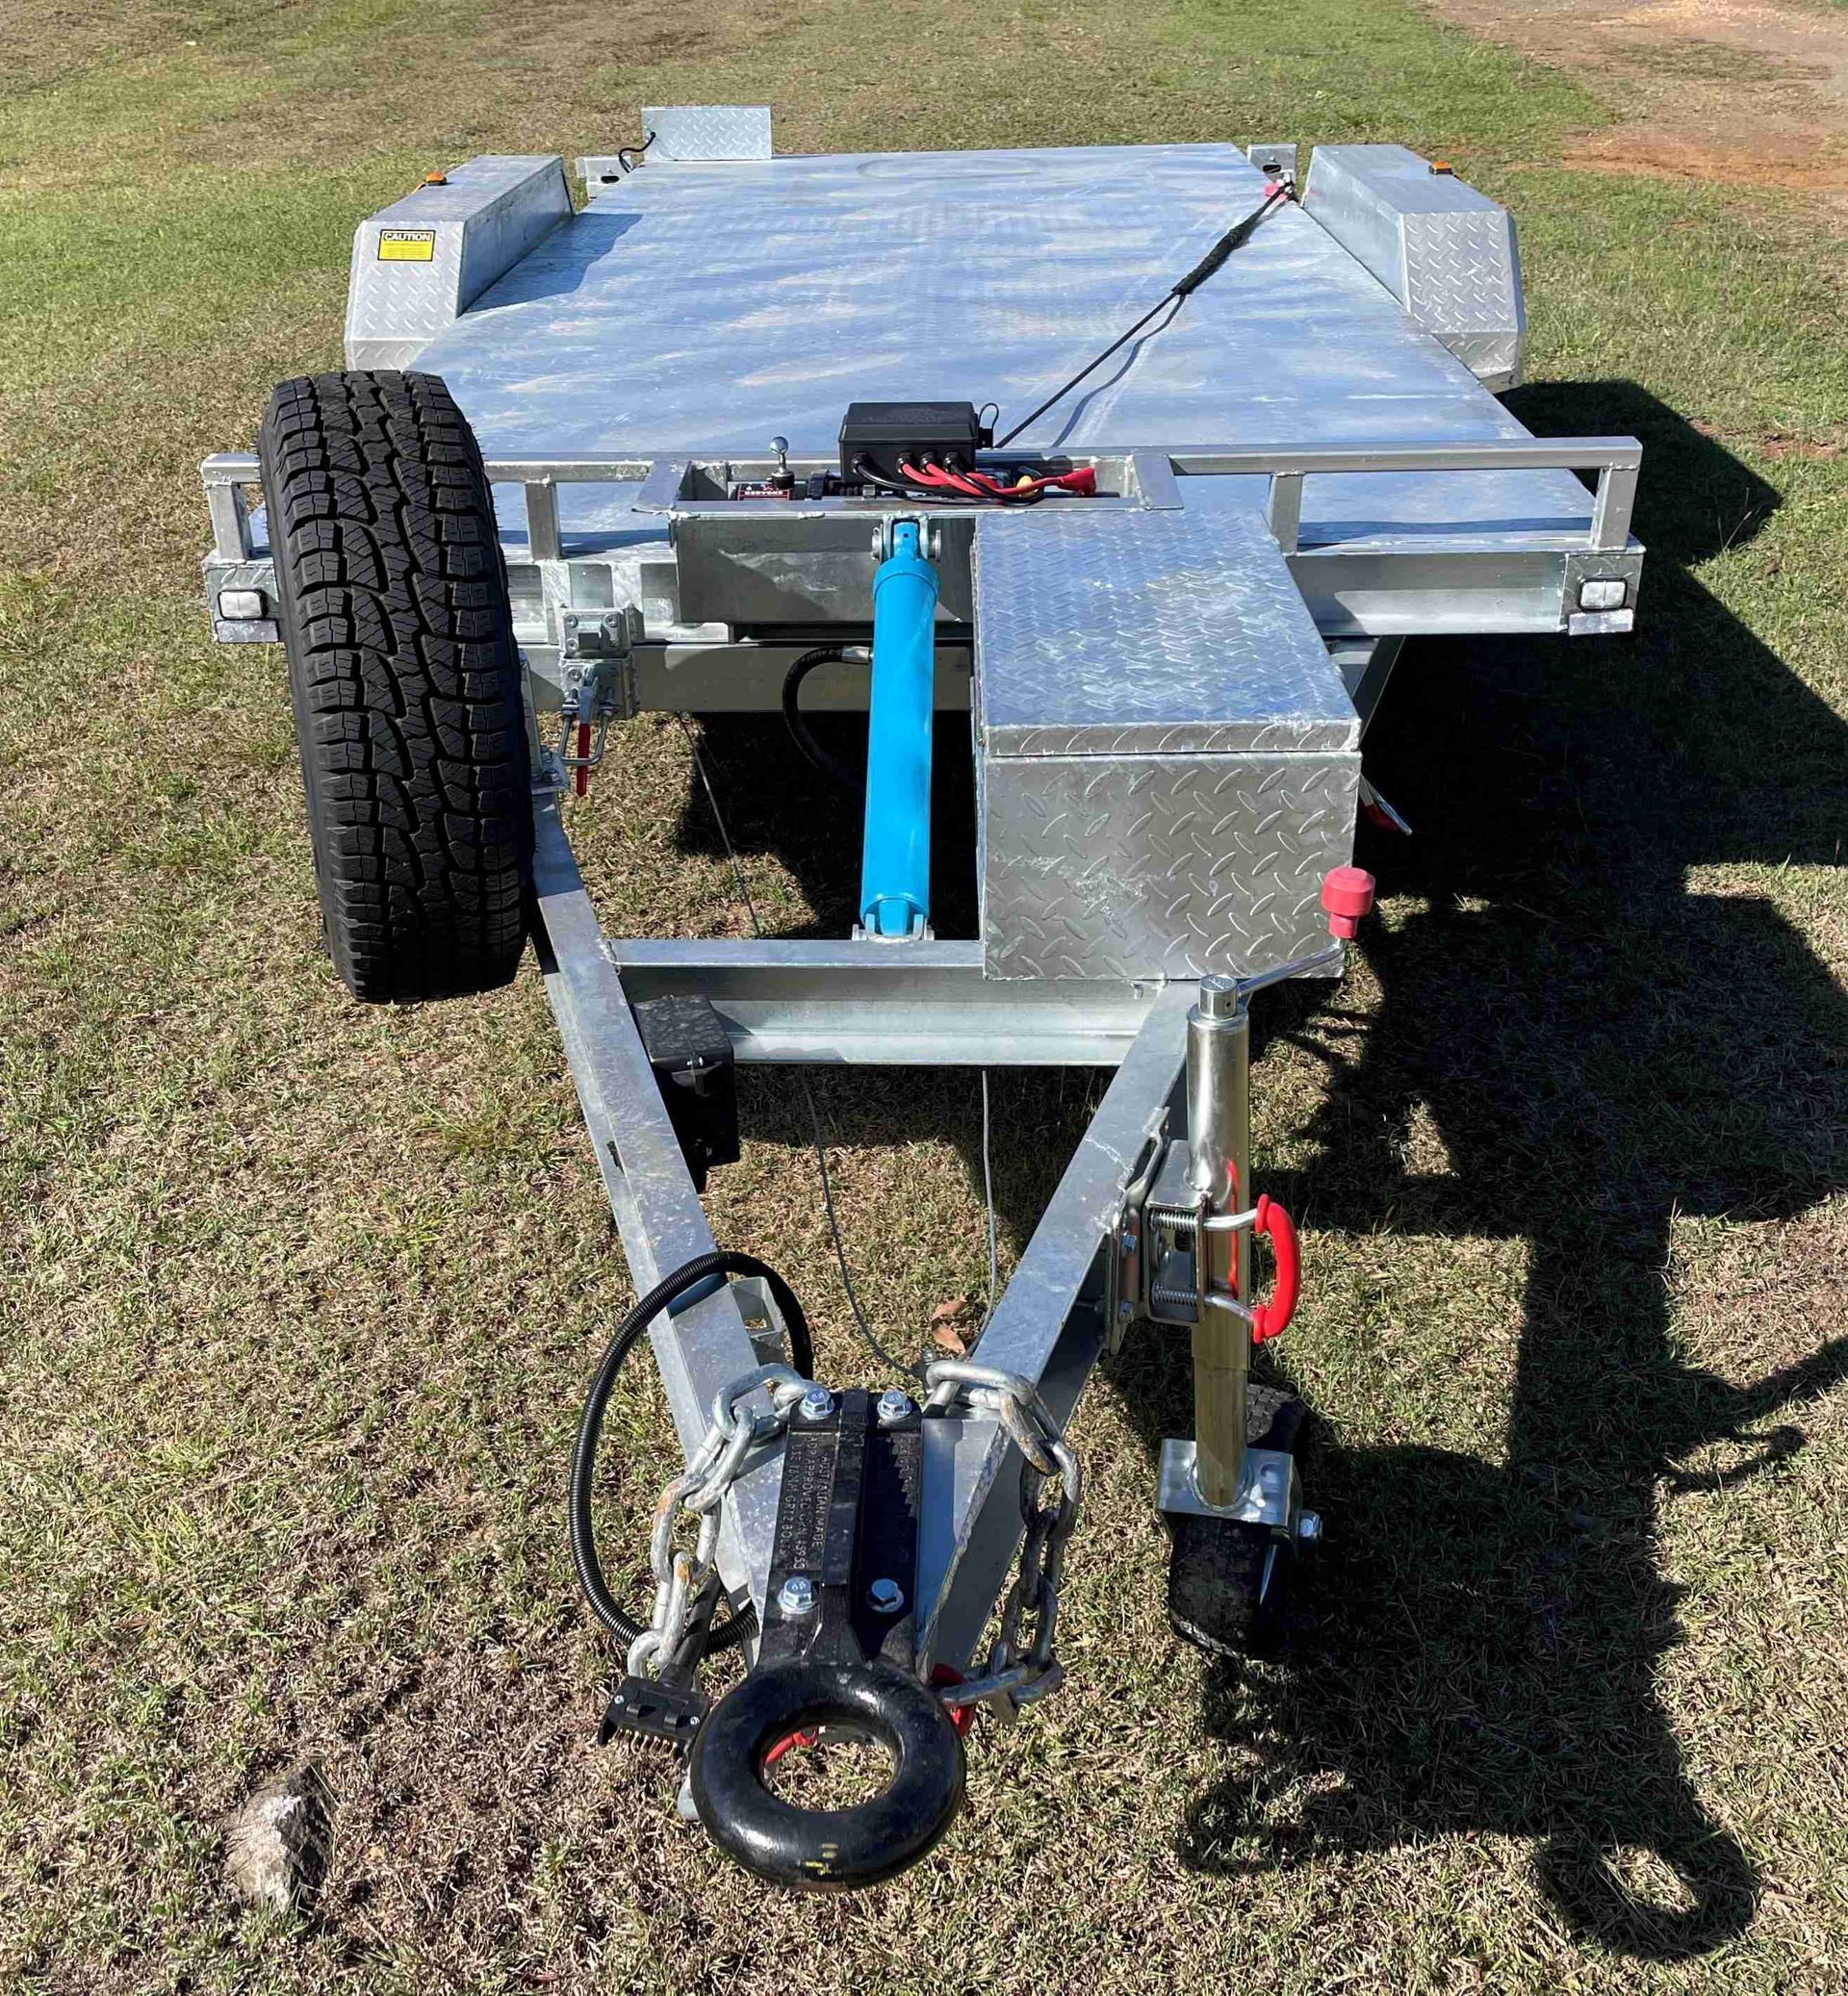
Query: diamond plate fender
<point x="708" y="131"/>
<point x="419" y="264"/>
<point x="1445" y="252"/>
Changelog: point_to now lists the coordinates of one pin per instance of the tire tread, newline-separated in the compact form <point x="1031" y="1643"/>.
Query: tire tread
<point x="405" y="682"/>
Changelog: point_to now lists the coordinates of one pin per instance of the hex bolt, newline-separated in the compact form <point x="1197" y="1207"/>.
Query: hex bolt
<point x="893" y="1407"/>
<point x="797" y="1596"/>
<point x="1309" y="1527"/>
<point x="886" y="1597"/>
<point x="817" y="1404"/>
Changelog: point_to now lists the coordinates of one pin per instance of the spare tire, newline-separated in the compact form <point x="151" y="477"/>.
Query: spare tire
<point x="405" y="682"/>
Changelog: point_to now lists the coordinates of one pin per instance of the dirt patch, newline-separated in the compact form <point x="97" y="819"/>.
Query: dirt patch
<point x="1629" y="150"/>
<point x="1733" y="93"/>
<point x="1800" y="446"/>
<point x="1775" y="444"/>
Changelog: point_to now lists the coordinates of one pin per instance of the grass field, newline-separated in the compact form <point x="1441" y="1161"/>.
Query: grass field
<point x="299" y="1298"/>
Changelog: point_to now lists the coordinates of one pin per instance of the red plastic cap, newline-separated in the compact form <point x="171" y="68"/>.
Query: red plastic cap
<point x="1346" y="895"/>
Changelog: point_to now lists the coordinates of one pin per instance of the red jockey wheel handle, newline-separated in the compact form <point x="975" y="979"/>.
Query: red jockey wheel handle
<point x="1269" y="1319"/>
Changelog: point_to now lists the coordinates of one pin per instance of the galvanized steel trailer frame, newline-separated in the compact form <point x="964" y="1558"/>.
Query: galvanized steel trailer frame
<point x="631" y="567"/>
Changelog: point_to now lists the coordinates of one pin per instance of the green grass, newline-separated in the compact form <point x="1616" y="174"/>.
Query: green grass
<point x="299" y="1298"/>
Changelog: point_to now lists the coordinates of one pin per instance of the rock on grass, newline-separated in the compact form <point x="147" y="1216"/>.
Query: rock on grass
<point x="277" y="1844"/>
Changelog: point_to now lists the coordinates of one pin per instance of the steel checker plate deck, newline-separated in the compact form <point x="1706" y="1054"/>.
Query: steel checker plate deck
<point x="699" y="310"/>
<point x="1160" y="865"/>
<point x="1145" y="634"/>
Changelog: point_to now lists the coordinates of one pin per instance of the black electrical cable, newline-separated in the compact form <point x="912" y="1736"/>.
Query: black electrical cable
<point x="1239" y="234"/>
<point x="942" y="495"/>
<point x="813" y="751"/>
<point x="583" y="1459"/>
<point x="627" y="155"/>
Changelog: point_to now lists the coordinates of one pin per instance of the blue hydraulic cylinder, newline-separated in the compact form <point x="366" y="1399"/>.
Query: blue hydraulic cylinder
<point x="895" y="864"/>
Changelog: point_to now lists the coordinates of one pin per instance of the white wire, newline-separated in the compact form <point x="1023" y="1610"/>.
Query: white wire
<point x="872" y="1344"/>
<point x="987" y="1200"/>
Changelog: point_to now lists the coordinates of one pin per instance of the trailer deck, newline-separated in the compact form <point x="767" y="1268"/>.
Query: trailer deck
<point x="696" y="309"/>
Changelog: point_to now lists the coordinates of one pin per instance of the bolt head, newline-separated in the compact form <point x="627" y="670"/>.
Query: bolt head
<point x="1309" y="1527"/>
<point x="893" y="1407"/>
<point x="886" y="1597"/>
<point x="797" y="1596"/>
<point x="817" y="1404"/>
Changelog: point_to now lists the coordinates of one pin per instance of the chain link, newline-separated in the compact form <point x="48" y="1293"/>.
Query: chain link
<point x="1019" y="1670"/>
<point x="1020" y="1667"/>
<point x="683" y="1579"/>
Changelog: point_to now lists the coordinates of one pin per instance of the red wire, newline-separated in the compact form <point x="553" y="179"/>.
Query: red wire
<point x="970" y="484"/>
<point x="980" y="485"/>
<point x="939" y="479"/>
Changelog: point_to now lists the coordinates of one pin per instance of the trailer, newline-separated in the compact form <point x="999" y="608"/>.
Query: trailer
<point x="750" y="432"/>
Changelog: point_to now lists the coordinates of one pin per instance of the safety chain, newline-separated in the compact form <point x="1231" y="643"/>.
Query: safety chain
<point x="1019" y="1671"/>
<point x="685" y="1582"/>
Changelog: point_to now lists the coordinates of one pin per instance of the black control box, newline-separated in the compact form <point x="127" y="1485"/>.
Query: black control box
<point x="883" y="435"/>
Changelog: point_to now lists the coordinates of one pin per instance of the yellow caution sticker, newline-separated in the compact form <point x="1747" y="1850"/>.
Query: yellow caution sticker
<point x="406" y="245"/>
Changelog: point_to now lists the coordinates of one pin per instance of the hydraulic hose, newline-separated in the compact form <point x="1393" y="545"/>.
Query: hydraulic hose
<point x="583" y="1460"/>
<point x="818" y="757"/>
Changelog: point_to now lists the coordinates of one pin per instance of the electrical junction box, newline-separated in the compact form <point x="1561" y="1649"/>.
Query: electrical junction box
<point x="889" y="434"/>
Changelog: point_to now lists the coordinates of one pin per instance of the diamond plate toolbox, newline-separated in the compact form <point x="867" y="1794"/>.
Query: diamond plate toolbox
<point x="1167" y="762"/>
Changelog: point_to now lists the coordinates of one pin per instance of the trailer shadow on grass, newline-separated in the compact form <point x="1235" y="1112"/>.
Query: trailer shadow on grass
<point x="1601" y="1047"/>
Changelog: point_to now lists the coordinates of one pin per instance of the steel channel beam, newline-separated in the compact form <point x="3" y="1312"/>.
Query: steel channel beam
<point x="1388" y="454"/>
<point x="659" y="1215"/>
<point x="1047" y="1325"/>
<point x="226" y="475"/>
<point x="888" y="1004"/>
<point x="747" y="678"/>
<point x="1185" y="460"/>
